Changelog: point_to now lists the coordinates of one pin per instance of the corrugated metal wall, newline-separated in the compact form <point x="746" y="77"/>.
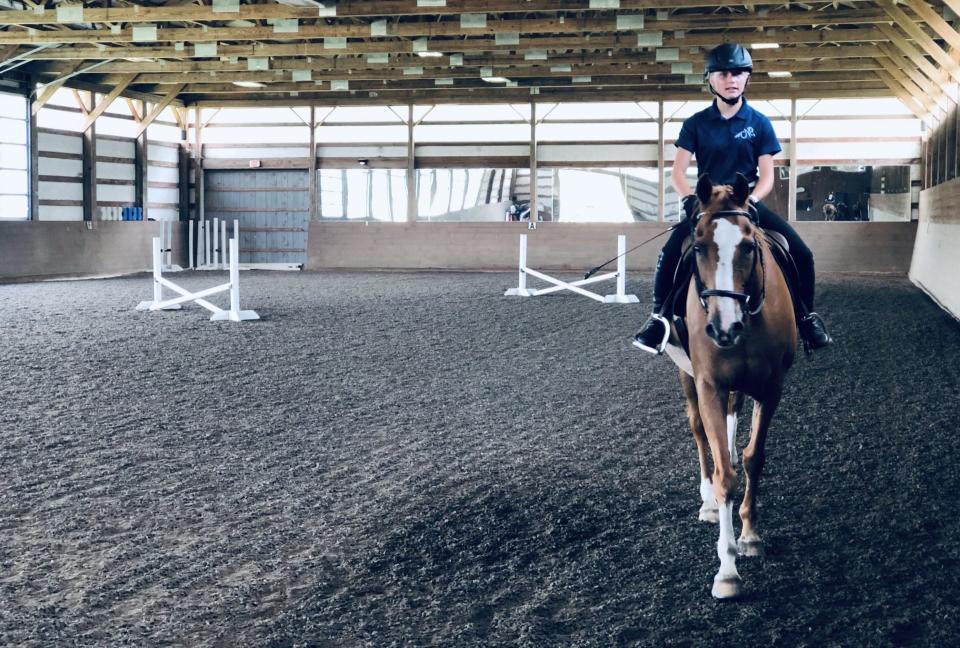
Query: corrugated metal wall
<point x="273" y="207"/>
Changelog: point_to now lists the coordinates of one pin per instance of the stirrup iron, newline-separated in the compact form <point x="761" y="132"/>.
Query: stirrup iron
<point x="659" y="349"/>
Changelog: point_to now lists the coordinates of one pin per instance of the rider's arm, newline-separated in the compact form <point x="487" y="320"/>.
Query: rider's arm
<point x="765" y="181"/>
<point x="681" y="162"/>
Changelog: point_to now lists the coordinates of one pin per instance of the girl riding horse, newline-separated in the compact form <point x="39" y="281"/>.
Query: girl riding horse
<point x="728" y="138"/>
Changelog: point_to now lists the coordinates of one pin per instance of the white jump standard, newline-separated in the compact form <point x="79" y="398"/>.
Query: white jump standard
<point x="620" y="297"/>
<point x="234" y="314"/>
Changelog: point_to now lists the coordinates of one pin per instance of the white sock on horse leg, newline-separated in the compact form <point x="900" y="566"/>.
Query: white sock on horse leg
<point x="706" y="492"/>
<point x="732" y="437"/>
<point x="726" y="545"/>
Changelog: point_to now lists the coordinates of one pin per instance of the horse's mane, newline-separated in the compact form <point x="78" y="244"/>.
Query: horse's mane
<point x="723" y="202"/>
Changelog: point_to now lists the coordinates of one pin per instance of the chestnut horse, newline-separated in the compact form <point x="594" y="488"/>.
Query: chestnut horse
<point x="742" y="338"/>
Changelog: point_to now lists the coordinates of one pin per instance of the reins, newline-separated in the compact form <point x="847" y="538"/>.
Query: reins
<point x="742" y="298"/>
<point x="594" y="271"/>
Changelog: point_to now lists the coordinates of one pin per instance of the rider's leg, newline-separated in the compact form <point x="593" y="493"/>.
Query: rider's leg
<point x="652" y="331"/>
<point x="812" y="328"/>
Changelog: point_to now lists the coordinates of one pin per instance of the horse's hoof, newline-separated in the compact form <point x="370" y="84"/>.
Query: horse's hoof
<point x="750" y="548"/>
<point x="726" y="589"/>
<point x="710" y="515"/>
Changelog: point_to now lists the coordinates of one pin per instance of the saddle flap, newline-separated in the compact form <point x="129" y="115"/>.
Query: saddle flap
<point x="776" y="238"/>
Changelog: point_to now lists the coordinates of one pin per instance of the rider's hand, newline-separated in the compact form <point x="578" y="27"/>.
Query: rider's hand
<point x="752" y="203"/>
<point x="689" y="205"/>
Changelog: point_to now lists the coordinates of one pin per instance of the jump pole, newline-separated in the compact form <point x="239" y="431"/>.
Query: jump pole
<point x="234" y="314"/>
<point x="620" y="297"/>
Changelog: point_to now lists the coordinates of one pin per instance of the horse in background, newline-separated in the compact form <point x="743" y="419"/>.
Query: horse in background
<point x="742" y="336"/>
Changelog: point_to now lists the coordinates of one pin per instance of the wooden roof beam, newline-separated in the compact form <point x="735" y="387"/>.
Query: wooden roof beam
<point x="905" y="98"/>
<point x="928" y="44"/>
<point x="106" y="101"/>
<point x="434" y="29"/>
<point x="826" y="80"/>
<point x="917" y="89"/>
<point x="936" y="22"/>
<point x="932" y="87"/>
<point x="770" y="58"/>
<point x="471" y="72"/>
<point x="916" y="56"/>
<point x="619" y="41"/>
<point x="47" y="92"/>
<point x="158" y="108"/>
<point x="345" y="9"/>
<point x="852" y="90"/>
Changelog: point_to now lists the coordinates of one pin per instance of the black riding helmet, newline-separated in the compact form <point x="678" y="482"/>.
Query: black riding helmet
<point x="727" y="57"/>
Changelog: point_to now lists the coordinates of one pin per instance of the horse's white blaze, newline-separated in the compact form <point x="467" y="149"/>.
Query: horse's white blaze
<point x="732" y="437"/>
<point x="727" y="236"/>
<point x="726" y="545"/>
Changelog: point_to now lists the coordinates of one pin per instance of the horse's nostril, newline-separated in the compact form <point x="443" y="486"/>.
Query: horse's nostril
<point x="711" y="330"/>
<point x="736" y="329"/>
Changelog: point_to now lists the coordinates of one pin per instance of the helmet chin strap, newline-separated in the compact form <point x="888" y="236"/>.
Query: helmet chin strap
<point x="729" y="102"/>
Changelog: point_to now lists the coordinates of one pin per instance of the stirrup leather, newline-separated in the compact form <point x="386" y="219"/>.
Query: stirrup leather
<point x="659" y="349"/>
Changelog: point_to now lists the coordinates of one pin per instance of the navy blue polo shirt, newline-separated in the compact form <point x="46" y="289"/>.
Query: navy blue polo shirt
<point x="724" y="147"/>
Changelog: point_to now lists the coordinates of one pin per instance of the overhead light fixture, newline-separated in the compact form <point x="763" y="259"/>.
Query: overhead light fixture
<point x="249" y="84"/>
<point x="429" y="54"/>
<point x="764" y="45"/>
<point x="495" y="79"/>
<point x="779" y="74"/>
<point x="363" y="162"/>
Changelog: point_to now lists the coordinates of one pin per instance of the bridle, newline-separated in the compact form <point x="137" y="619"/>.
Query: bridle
<point x="742" y="298"/>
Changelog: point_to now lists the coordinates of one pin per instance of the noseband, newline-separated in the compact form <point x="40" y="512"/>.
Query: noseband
<point x="742" y="298"/>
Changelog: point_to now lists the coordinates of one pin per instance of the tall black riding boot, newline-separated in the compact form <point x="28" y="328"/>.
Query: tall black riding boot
<point x="653" y="333"/>
<point x="814" y="331"/>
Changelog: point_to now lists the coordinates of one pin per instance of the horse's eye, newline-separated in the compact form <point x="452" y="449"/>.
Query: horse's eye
<point x="698" y="249"/>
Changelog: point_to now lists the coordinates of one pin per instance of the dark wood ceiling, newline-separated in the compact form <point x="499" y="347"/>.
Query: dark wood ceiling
<point x="435" y="51"/>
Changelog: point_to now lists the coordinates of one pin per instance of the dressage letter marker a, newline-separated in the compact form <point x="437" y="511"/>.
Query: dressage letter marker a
<point x="620" y="297"/>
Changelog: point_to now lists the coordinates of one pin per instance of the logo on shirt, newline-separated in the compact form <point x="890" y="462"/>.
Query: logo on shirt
<point x="746" y="134"/>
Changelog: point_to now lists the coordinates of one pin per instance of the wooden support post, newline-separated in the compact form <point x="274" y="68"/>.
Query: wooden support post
<point x="312" y="168"/>
<point x="198" y="163"/>
<point x="411" y="170"/>
<point x="950" y="131"/>
<point x="661" y="164"/>
<point x="533" y="162"/>
<point x="183" y="161"/>
<point x="794" y="171"/>
<point x="944" y="131"/>
<point x="140" y="182"/>
<point x="89" y="137"/>
<point x="34" y="154"/>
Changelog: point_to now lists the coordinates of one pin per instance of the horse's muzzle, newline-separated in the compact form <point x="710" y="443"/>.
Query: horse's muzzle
<point x="725" y="339"/>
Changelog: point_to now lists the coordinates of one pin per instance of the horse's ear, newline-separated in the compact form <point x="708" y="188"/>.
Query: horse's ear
<point x="704" y="189"/>
<point x="741" y="189"/>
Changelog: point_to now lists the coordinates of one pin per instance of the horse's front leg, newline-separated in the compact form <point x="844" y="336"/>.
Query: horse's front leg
<point x="749" y="543"/>
<point x="713" y="410"/>
<point x="734" y="406"/>
<point x="708" y="506"/>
